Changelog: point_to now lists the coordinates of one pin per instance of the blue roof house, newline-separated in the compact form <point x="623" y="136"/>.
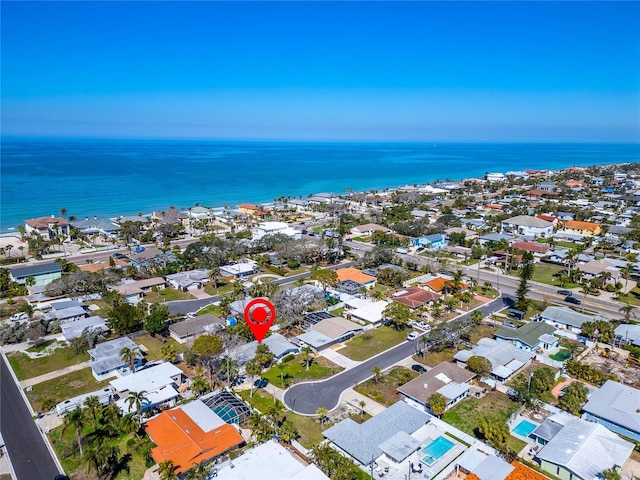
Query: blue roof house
<point x="431" y="243"/>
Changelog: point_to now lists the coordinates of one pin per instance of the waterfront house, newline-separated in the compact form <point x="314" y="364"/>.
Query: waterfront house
<point x="171" y="216"/>
<point x="47" y="227"/>
<point x="42" y="273"/>
<point x="189" y="435"/>
<point x="530" y="336"/>
<point x="251" y="210"/>
<point x="447" y="379"/>
<point x="527" y="225"/>
<point x="582" y="228"/>
<point x="617" y="407"/>
<point x="96" y="226"/>
<point x="430" y="243"/>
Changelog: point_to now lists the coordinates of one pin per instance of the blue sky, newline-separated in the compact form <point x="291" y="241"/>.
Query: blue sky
<point x="414" y="71"/>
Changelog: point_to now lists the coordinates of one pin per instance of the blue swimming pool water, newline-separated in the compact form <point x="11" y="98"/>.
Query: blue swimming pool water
<point x="524" y="428"/>
<point x="227" y="414"/>
<point x="436" y="449"/>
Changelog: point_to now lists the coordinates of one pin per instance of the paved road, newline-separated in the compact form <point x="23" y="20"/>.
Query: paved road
<point x="29" y="455"/>
<point x="306" y="398"/>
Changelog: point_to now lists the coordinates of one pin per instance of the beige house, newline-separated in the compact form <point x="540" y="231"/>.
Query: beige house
<point x="47" y="227"/>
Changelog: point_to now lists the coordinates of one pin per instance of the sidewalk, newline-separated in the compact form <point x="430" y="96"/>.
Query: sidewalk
<point x="354" y="398"/>
<point x="58" y="373"/>
<point x="339" y="359"/>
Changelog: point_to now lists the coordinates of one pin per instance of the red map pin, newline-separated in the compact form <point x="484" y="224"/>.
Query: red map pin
<point x="259" y="315"/>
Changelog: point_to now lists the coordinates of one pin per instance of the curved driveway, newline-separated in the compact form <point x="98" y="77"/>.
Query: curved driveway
<point x="306" y="398"/>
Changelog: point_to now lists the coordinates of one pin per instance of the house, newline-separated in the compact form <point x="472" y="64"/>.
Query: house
<point x="441" y="285"/>
<point x="505" y="359"/>
<point x="527" y="225"/>
<point x="72" y="330"/>
<point x="134" y="290"/>
<point x="272" y="228"/>
<point x="143" y="257"/>
<point x="365" y="442"/>
<point x="617" y="407"/>
<point x="42" y="273"/>
<point x="595" y="268"/>
<point x="368" y="229"/>
<point x="549" y="218"/>
<point x="192" y="328"/>
<point x="250" y="209"/>
<point x="96" y="226"/>
<point x="269" y="461"/>
<point x="239" y="270"/>
<point x="530" y="336"/>
<point x="447" y="379"/>
<point x="329" y="331"/>
<point x="351" y="280"/>
<point x="189" y="435"/>
<point x="160" y="382"/>
<point x="537" y="249"/>
<point x="547" y="186"/>
<point x="414" y="297"/>
<point x="172" y="216"/>
<point x="106" y="361"/>
<point x="582" y="228"/>
<point x="189" y="280"/>
<point x="495" y="237"/>
<point x="628" y="334"/>
<point x="566" y="318"/>
<point x="366" y="310"/>
<point x="431" y="243"/>
<point x="47" y="227"/>
<point x="582" y="450"/>
<point x="495" y="177"/>
<point x="278" y="345"/>
<point x="67" y="315"/>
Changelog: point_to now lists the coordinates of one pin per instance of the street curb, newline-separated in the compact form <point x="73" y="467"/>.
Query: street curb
<point x="33" y="414"/>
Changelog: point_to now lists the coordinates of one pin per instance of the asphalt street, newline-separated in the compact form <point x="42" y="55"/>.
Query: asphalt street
<point x="30" y="457"/>
<point x="306" y="398"/>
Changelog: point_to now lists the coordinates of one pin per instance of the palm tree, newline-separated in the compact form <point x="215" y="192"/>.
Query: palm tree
<point x="93" y="404"/>
<point x="306" y="352"/>
<point x="288" y="431"/>
<point x="322" y="414"/>
<point x="75" y="419"/>
<point x="197" y="472"/>
<point x="214" y="274"/>
<point x="253" y="368"/>
<point x="167" y="470"/>
<point x="199" y="385"/>
<point x="128" y="355"/>
<point x="96" y="458"/>
<point x="377" y="373"/>
<point x="362" y="404"/>
<point x="629" y="311"/>
<point x="626" y="271"/>
<point x="138" y="399"/>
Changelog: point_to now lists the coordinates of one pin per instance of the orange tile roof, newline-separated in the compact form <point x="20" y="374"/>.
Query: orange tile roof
<point x="522" y="472"/>
<point x="181" y="440"/>
<point x="416" y="297"/>
<point x="439" y="283"/>
<point x="44" y="222"/>
<point x="354" y="274"/>
<point x="546" y="218"/>
<point x="493" y="206"/>
<point x="249" y="206"/>
<point x="574" y="183"/>
<point x="581" y="225"/>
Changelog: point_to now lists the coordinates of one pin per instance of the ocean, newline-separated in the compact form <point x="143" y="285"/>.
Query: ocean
<point x="107" y="178"/>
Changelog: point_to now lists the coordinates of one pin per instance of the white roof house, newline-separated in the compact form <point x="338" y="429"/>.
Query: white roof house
<point x="617" y="407"/>
<point x="565" y="317"/>
<point x="628" y="333"/>
<point x="505" y="358"/>
<point x="527" y="225"/>
<point x="238" y="270"/>
<point x="149" y="379"/>
<point x="271" y="228"/>
<point x="367" y="310"/>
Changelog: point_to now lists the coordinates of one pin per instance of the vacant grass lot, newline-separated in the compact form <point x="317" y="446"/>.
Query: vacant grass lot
<point x="367" y="345"/>
<point x="385" y="391"/>
<point x="309" y="428"/>
<point x="467" y="414"/>
<point x="64" y="387"/>
<point x="295" y="371"/>
<point x="26" y="367"/>
<point x="544" y="273"/>
<point x="154" y="346"/>
<point x="167" y="295"/>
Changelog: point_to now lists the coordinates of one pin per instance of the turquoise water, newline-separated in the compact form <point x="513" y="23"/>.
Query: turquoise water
<point x="227" y="414"/>
<point x="107" y="178"/>
<point x="524" y="428"/>
<point x="436" y="450"/>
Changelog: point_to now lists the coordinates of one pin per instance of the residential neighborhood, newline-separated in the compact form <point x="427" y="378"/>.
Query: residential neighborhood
<point x="482" y="328"/>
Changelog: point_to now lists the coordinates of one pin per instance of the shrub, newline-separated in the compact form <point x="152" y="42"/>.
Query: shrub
<point x="276" y="270"/>
<point x="288" y="358"/>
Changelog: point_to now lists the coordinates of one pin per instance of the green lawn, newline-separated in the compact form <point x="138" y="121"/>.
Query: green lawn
<point x="633" y="297"/>
<point x="543" y="273"/>
<point x="154" y="346"/>
<point x="166" y="295"/>
<point x="376" y="341"/>
<point x="309" y="428"/>
<point x="25" y="367"/>
<point x="295" y="371"/>
<point x="466" y="414"/>
<point x="561" y="355"/>
<point x="433" y="358"/>
<point x="64" y="387"/>
<point x="384" y="391"/>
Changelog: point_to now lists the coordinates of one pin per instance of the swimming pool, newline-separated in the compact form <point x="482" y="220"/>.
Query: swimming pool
<point x="436" y="449"/>
<point x="227" y="414"/>
<point x="524" y="428"/>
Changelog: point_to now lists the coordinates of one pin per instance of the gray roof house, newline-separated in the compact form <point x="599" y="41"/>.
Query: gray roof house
<point x="278" y="345"/>
<point x="530" y="336"/>
<point x="191" y="328"/>
<point x="43" y="273"/>
<point x="526" y="225"/>
<point x="329" y="331"/>
<point x="447" y="379"/>
<point x="76" y="329"/>
<point x="106" y="361"/>
<point x="190" y="280"/>
<point x="504" y="357"/>
<point x="364" y="442"/>
<point x="628" y="333"/>
<point x="565" y="317"/>
<point x="615" y="406"/>
<point x="582" y="450"/>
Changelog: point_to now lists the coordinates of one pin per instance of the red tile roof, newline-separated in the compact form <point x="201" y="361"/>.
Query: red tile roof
<point x="44" y="222"/>
<point x="531" y="247"/>
<point x="416" y="297"/>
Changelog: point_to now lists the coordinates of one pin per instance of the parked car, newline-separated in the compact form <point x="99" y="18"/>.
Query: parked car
<point x="423" y="325"/>
<point x="566" y="293"/>
<point x="261" y="383"/>
<point x="507" y="323"/>
<point x="416" y="367"/>
<point x="413" y="336"/>
<point x="573" y="300"/>
<point x="19" y="316"/>
<point x="118" y="255"/>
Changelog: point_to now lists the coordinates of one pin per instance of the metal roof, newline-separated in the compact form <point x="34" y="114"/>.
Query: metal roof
<point x="38" y="269"/>
<point x="566" y="316"/>
<point x="616" y="403"/>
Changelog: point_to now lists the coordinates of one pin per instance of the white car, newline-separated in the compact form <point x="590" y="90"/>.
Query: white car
<point x="423" y="326"/>
<point x="413" y="336"/>
<point x="19" y="316"/>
